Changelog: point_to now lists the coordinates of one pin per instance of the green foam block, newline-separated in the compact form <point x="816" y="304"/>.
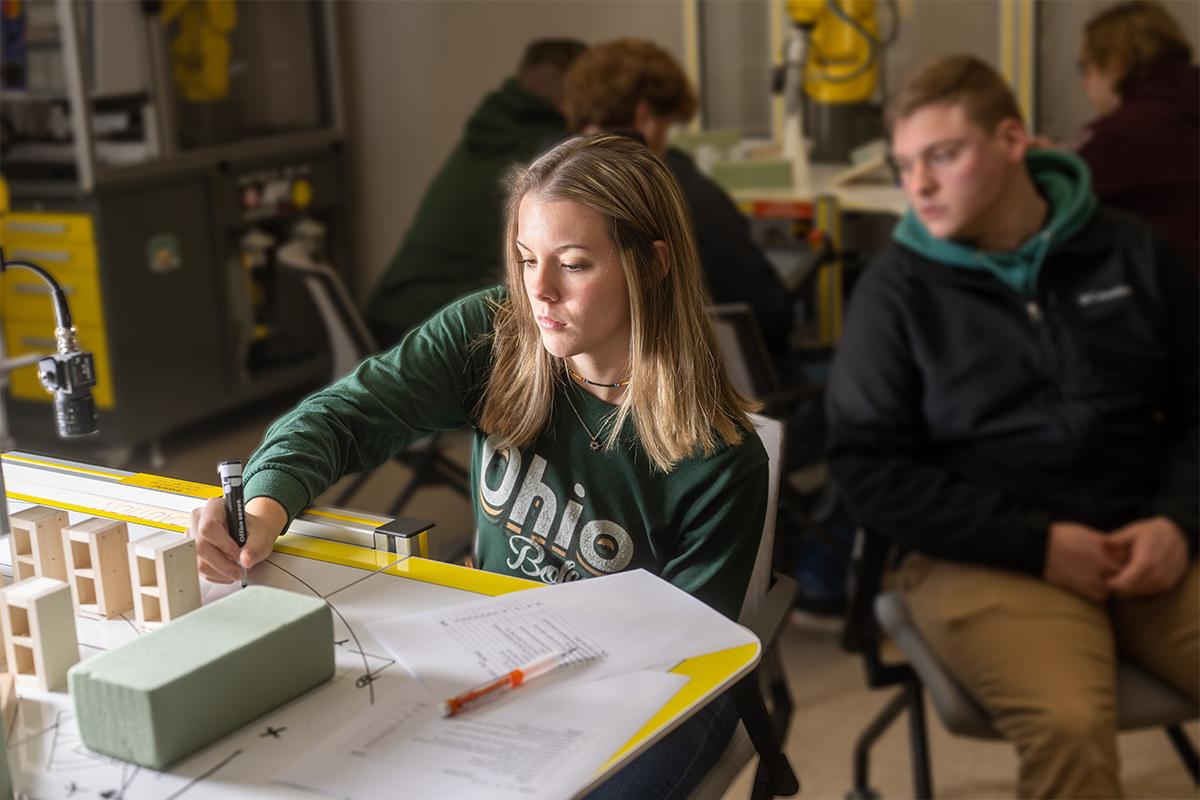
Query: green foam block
<point x="168" y="693"/>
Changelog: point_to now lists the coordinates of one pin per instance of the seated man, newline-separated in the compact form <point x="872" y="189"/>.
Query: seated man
<point x="1014" y="403"/>
<point x="454" y="245"/>
<point x="634" y="86"/>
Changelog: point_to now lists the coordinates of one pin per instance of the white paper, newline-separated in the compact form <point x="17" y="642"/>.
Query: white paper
<point x="529" y="745"/>
<point x="616" y="623"/>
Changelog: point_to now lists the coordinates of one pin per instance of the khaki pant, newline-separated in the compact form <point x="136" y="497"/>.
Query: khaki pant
<point x="1040" y="659"/>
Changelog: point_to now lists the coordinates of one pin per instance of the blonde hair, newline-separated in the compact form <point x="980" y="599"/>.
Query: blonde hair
<point x="604" y="85"/>
<point x="1132" y="39"/>
<point x="679" y="397"/>
<point x="956" y="80"/>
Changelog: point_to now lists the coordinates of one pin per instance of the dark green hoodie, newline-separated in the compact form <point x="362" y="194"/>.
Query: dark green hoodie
<point x="454" y="244"/>
<point x="1063" y="181"/>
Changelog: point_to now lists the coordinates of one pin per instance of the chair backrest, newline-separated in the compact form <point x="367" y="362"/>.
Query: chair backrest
<point x="771" y="432"/>
<point x="349" y="339"/>
<point x="747" y="360"/>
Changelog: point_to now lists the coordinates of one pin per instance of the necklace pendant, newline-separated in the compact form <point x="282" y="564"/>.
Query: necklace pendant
<point x="595" y="444"/>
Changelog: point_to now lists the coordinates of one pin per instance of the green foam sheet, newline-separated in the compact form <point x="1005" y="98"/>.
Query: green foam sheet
<point x="170" y="692"/>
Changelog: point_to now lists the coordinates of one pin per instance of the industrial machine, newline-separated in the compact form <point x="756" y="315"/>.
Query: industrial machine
<point x="829" y="76"/>
<point x="156" y="155"/>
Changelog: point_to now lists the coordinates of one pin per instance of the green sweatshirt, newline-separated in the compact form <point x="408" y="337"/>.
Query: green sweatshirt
<point x="1063" y="181"/>
<point x="555" y="511"/>
<point x="454" y="244"/>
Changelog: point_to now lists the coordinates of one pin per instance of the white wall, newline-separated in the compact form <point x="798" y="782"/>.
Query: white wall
<point x="414" y="70"/>
<point x="930" y="29"/>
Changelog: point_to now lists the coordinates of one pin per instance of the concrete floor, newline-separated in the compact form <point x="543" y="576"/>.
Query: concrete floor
<point x="832" y="703"/>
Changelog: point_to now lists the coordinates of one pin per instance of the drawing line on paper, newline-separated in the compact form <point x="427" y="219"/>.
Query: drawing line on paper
<point x="363" y="578"/>
<point x="34" y="735"/>
<point x="54" y="740"/>
<point x="132" y="624"/>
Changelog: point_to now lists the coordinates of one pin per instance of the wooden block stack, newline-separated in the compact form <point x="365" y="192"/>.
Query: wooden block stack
<point x="37" y="543"/>
<point x="166" y="581"/>
<point x="97" y="554"/>
<point x="39" y="631"/>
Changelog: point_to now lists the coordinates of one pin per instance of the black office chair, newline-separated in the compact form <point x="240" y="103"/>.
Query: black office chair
<point x="350" y="342"/>
<point x="1142" y="700"/>
<point x="752" y="372"/>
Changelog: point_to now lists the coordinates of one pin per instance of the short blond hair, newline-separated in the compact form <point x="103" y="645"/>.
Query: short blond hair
<point x="679" y="398"/>
<point x="956" y="80"/>
<point x="1132" y="39"/>
<point x="605" y="84"/>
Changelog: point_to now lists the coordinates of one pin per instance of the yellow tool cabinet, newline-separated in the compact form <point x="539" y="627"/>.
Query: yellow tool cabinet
<point x="64" y="246"/>
<point x="156" y="206"/>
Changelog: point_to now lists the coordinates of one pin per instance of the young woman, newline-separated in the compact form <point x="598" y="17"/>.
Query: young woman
<point x="607" y="436"/>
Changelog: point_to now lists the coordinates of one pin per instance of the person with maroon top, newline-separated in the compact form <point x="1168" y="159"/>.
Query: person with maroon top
<point x="1144" y="146"/>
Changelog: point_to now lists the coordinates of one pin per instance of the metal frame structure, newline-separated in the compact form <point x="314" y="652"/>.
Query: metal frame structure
<point x="127" y="202"/>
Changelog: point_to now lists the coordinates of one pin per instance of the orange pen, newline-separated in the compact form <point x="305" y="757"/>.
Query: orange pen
<point x="497" y="686"/>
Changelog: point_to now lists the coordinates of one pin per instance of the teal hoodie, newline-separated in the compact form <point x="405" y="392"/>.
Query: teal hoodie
<point x="1065" y="184"/>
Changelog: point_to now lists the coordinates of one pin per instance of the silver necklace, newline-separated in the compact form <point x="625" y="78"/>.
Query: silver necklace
<point x="593" y="439"/>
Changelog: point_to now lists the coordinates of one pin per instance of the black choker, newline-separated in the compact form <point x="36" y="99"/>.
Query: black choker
<point x="582" y="379"/>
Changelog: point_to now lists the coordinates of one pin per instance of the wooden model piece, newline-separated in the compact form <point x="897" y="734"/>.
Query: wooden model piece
<point x="39" y="631"/>
<point x="97" y="553"/>
<point x="6" y="789"/>
<point x="36" y="543"/>
<point x="8" y="699"/>
<point x="166" y="581"/>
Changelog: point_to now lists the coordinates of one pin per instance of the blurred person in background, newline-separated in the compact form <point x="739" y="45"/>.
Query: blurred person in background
<point x="454" y="246"/>
<point x="635" y="87"/>
<point x="1144" y="146"/>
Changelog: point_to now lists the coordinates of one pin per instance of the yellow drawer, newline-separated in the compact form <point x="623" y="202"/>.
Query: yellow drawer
<point x="22" y="337"/>
<point x="38" y="229"/>
<point x="54" y="257"/>
<point x="25" y="296"/>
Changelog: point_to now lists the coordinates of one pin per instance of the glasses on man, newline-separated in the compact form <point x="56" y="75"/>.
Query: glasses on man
<point x="934" y="158"/>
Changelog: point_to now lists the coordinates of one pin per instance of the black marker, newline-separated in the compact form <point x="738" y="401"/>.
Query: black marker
<point x="235" y="506"/>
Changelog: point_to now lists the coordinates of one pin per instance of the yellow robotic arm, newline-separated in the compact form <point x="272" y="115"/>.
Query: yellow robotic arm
<point x="200" y="51"/>
<point x="842" y="59"/>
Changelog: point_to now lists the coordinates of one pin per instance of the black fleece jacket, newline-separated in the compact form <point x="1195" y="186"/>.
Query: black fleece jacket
<point x="735" y="267"/>
<point x="965" y="418"/>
